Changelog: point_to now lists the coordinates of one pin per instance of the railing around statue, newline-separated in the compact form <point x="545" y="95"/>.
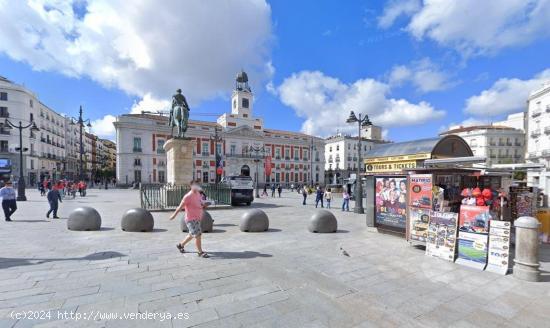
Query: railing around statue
<point x="165" y="197"/>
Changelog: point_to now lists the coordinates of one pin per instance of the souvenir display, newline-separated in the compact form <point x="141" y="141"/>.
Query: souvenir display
<point x="442" y="235"/>
<point x="523" y="201"/>
<point x="418" y="224"/>
<point x="499" y="246"/>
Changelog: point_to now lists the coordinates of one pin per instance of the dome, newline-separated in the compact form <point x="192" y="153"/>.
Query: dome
<point x="242" y="77"/>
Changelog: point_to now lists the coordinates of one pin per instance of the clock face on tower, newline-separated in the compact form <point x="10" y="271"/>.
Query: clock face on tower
<point x="245" y="103"/>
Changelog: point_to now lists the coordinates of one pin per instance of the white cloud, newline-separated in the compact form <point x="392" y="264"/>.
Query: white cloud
<point x="505" y="96"/>
<point x="395" y="9"/>
<point x="425" y="75"/>
<point x="149" y="103"/>
<point x="145" y="47"/>
<point x="104" y="127"/>
<point x="473" y="26"/>
<point x="324" y="102"/>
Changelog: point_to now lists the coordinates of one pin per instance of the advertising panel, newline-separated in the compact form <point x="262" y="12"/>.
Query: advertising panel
<point x="391" y="202"/>
<point x="472" y="249"/>
<point x="420" y="190"/>
<point x="474" y="219"/>
<point x="441" y="241"/>
<point x="499" y="247"/>
<point x="419" y="219"/>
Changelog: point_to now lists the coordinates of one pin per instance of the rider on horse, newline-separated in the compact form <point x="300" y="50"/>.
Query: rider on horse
<point x="179" y="114"/>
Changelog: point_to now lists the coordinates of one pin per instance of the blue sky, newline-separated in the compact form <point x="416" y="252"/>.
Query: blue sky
<point x="415" y="67"/>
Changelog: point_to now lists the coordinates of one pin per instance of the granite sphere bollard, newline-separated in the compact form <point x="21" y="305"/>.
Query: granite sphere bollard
<point x="84" y="219"/>
<point x="207" y="223"/>
<point x="526" y="261"/>
<point x="323" y="221"/>
<point x="254" y="220"/>
<point x="137" y="220"/>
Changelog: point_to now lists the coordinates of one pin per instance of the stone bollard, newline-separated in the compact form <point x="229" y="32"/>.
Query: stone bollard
<point x="526" y="261"/>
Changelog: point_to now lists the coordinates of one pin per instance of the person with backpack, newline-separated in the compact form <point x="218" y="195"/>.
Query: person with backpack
<point x="54" y="198"/>
<point x="328" y="197"/>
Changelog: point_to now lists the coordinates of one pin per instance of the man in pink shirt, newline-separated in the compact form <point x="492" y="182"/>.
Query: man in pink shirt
<point x="193" y="204"/>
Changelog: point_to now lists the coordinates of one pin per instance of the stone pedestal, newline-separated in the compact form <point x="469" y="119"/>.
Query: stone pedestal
<point x="527" y="249"/>
<point x="179" y="160"/>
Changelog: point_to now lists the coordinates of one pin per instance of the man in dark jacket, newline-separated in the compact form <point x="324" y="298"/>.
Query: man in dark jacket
<point x="319" y="196"/>
<point x="54" y="197"/>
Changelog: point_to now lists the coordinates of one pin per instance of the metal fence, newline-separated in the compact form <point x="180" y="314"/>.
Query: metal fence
<point x="165" y="197"/>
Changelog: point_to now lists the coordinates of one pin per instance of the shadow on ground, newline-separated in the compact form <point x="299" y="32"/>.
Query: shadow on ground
<point x="6" y="262"/>
<point x="237" y="255"/>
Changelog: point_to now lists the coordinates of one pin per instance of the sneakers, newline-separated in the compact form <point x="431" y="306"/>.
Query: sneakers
<point x="8" y="219"/>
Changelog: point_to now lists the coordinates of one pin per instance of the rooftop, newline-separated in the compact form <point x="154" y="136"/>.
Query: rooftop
<point x="477" y="127"/>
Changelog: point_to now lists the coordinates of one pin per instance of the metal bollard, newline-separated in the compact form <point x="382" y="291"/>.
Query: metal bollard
<point x="526" y="261"/>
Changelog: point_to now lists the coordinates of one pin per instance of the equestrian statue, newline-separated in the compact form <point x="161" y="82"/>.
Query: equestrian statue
<point x="179" y="114"/>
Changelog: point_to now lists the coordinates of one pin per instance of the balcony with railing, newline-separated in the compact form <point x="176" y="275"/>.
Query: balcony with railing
<point x="250" y="155"/>
<point x="546" y="153"/>
<point x="533" y="154"/>
<point x="547" y="130"/>
<point x="535" y="133"/>
<point x="4" y="114"/>
<point x="137" y="149"/>
<point x="536" y="112"/>
<point x="548" y="108"/>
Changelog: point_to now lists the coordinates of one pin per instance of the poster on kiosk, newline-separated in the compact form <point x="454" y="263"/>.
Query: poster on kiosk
<point x="473" y="226"/>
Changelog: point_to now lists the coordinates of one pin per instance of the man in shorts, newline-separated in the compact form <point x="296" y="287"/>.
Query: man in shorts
<point x="193" y="204"/>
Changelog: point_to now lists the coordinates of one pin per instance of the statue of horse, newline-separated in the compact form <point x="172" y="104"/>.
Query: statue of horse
<point x="179" y="114"/>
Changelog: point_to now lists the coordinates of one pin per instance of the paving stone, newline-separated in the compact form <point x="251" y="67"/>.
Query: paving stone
<point x="287" y="278"/>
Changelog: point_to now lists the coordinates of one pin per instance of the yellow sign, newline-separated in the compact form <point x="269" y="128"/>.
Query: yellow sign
<point x="390" y="166"/>
<point x="400" y="158"/>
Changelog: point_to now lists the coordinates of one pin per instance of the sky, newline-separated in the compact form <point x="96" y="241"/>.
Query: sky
<point x="414" y="67"/>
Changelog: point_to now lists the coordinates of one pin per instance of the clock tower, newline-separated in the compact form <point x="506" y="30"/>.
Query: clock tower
<point x="242" y="98"/>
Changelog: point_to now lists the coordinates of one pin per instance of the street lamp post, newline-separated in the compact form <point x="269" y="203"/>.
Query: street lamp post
<point x="361" y="122"/>
<point x="257" y="160"/>
<point x="32" y="125"/>
<point x="81" y="123"/>
<point x="311" y="148"/>
<point x="216" y="138"/>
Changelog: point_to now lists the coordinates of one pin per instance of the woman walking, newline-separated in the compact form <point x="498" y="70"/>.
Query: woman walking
<point x="345" y="201"/>
<point x="193" y="204"/>
<point x="328" y="197"/>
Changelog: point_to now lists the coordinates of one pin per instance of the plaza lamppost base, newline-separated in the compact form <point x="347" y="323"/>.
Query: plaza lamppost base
<point x="359" y="210"/>
<point x="21" y="198"/>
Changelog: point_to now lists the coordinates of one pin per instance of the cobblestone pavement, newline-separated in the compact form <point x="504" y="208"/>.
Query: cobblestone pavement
<point x="286" y="277"/>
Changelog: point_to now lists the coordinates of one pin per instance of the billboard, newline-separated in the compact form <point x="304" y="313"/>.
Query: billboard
<point x="391" y="202"/>
<point x="420" y="190"/>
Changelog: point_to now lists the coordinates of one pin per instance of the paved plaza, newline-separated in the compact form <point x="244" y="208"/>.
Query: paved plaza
<point x="286" y="277"/>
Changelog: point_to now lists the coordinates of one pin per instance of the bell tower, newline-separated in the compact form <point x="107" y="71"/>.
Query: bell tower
<point x="242" y="98"/>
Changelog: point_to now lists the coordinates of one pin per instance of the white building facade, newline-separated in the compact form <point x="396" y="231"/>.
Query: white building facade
<point x="243" y="146"/>
<point x="52" y="152"/>
<point x="537" y="124"/>
<point x="499" y="144"/>
<point x="341" y="155"/>
<point x="45" y="152"/>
